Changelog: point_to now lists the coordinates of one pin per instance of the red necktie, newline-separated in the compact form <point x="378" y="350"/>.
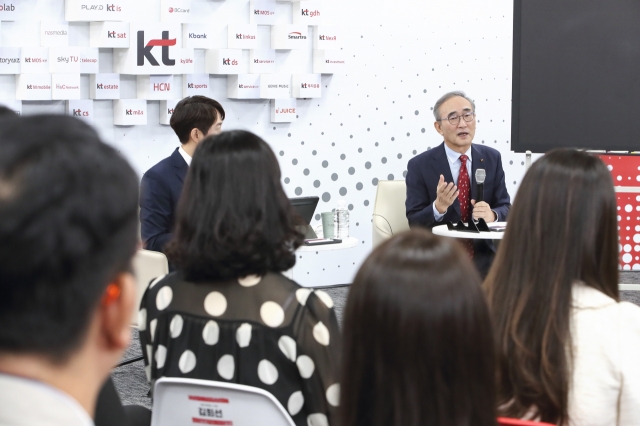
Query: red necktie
<point x="464" y="186"/>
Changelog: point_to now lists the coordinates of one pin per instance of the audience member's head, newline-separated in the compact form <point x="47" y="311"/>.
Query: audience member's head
<point x="562" y="229"/>
<point x="234" y="218"/>
<point x="418" y="344"/>
<point x="68" y="221"/>
<point x="196" y="117"/>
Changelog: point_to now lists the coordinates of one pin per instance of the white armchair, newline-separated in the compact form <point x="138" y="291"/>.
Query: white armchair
<point x="389" y="212"/>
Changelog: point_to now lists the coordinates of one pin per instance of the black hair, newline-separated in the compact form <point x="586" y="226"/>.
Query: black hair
<point x="547" y="247"/>
<point x="418" y="343"/>
<point x="234" y="218"/>
<point x="68" y="225"/>
<point x="195" y="112"/>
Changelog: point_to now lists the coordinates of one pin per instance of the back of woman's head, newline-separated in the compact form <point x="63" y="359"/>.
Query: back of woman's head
<point x="562" y="229"/>
<point x="418" y="348"/>
<point x="234" y="218"/>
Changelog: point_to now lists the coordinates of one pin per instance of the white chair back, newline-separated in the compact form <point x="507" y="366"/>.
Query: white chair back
<point x="147" y="265"/>
<point x="389" y="211"/>
<point x="178" y="401"/>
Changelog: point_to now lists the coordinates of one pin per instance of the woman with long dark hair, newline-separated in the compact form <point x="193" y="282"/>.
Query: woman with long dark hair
<point x="418" y="344"/>
<point x="567" y="348"/>
<point x="227" y="313"/>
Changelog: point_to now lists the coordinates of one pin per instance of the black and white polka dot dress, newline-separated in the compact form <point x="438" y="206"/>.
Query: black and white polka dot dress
<point x="266" y="332"/>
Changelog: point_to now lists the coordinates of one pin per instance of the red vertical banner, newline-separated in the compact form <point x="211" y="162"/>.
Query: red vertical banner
<point x="625" y="171"/>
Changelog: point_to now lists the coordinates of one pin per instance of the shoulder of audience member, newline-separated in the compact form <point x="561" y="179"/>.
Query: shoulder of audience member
<point x="159" y="169"/>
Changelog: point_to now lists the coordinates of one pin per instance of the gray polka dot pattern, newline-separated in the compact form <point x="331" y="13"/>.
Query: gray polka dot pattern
<point x="298" y="191"/>
<point x="326" y="197"/>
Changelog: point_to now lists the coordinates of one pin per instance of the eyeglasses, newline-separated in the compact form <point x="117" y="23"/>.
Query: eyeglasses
<point x="455" y="119"/>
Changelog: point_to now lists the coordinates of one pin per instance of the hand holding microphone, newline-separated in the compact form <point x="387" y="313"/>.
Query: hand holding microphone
<point x="480" y="208"/>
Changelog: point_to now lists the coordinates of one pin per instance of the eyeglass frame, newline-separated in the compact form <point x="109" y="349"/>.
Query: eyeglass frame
<point x="472" y="114"/>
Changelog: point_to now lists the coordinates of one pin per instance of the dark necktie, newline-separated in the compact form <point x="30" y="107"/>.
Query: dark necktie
<point x="464" y="196"/>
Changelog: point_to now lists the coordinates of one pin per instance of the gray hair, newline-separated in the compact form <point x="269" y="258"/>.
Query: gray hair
<point x="446" y="97"/>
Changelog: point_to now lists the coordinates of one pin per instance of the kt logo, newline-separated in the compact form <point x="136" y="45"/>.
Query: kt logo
<point x="145" y="51"/>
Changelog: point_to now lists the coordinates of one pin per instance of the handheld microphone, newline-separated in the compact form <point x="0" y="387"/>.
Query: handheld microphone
<point x="480" y="176"/>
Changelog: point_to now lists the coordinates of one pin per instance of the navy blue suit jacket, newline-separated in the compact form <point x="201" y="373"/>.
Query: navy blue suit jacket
<point x="160" y="191"/>
<point x="423" y="174"/>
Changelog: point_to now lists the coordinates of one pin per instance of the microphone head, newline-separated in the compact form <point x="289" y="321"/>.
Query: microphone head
<point x="480" y="175"/>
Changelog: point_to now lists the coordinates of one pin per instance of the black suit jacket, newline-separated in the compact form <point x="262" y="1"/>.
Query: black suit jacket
<point x="423" y="174"/>
<point x="160" y="191"/>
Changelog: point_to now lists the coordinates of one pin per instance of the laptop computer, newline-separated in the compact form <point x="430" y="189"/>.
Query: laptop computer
<point x="306" y="207"/>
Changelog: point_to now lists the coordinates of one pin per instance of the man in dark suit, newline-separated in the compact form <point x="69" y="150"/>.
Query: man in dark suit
<point x="193" y="119"/>
<point x="441" y="183"/>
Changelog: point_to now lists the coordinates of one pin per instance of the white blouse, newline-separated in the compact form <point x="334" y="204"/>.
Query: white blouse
<point x="605" y="387"/>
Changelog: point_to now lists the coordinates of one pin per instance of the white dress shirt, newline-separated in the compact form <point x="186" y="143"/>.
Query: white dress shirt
<point x="26" y="402"/>
<point x="186" y="156"/>
<point x="454" y="164"/>
<point x="605" y="386"/>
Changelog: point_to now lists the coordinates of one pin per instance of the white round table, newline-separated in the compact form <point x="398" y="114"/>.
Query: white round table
<point x="345" y="244"/>
<point x="445" y="232"/>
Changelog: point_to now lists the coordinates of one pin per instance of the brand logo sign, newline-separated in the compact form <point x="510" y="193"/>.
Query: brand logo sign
<point x="144" y="50"/>
<point x="289" y="36"/>
<point x="243" y="86"/>
<point x="306" y="85"/>
<point x="65" y="86"/>
<point x="195" y="84"/>
<point x="167" y="108"/>
<point x="223" y="61"/>
<point x="262" y="61"/>
<point x="262" y="12"/>
<point x="104" y="86"/>
<point x="242" y="36"/>
<point x="156" y="87"/>
<point x="327" y="38"/>
<point x="127" y="112"/>
<point x="10" y="60"/>
<point x="54" y="34"/>
<point x="283" y="110"/>
<point x="275" y="86"/>
<point x="306" y="13"/>
<point x="197" y="36"/>
<point x="11" y="11"/>
<point x="64" y="60"/>
<point x="109" y="34"/>
<point x="328" y="61"/>
<point x="81" y="109"/>
<point x="95" y="10"/>
<point x="155" y="50"/>
<point x="175" y="10"/>
<point x="33" y="87"/>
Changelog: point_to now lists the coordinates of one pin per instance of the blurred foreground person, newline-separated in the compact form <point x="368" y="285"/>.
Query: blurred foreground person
<point x="68" y="232"/>
<point x="567" y="347"/>
<point x="418" y="347"/>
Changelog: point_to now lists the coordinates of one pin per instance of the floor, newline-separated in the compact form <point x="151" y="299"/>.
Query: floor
<point x="131" y="382"/>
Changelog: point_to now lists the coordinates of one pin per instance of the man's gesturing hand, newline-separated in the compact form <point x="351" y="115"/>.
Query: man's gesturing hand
<point x="446" y="194"/>
<point x="482" y="210"/>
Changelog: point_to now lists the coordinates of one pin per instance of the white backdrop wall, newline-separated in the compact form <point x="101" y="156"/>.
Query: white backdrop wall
<point x="369" y="121"/>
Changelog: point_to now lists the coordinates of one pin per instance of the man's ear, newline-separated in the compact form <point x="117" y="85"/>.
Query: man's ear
<point x="195" y="134"/>
<point x="116" y="309"/>
<point x="438" y="127"/>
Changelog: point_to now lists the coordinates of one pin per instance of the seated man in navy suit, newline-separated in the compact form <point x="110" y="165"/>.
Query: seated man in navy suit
<point x="441" y="183"/>
<point x="193" y="119"/>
